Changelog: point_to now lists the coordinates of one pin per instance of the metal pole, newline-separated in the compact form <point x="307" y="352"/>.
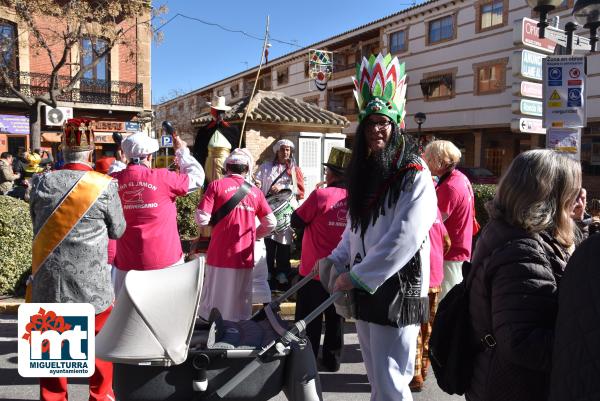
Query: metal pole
<point x="262" y="57"/>
<point x="570" y="28"/>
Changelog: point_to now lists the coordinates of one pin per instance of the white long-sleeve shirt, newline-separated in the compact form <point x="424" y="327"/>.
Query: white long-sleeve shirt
<point x="395" y="238"/>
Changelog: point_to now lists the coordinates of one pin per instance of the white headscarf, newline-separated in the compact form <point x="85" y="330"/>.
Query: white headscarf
<point x="283" y="142"/>
<point x="139" y="145"/>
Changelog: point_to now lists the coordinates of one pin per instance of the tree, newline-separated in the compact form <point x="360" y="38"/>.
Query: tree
<point x="57" y="30"/>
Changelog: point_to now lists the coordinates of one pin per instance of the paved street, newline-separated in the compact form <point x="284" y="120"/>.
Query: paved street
<point x="350" y="383"/>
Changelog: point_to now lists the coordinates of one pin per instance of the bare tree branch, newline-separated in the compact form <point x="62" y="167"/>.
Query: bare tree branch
<point x="6" y="80"/>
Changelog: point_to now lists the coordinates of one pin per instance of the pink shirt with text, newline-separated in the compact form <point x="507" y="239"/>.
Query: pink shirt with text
<point x="455" y="202"/>
<point x="436" y="258"/>
<point x="151" y="240"/>
<point x="324" y="213"/>
<point x="232" y="239"/>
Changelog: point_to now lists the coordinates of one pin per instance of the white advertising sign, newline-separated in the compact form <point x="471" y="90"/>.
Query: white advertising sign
<point x="528" y="64"/>
<point x="527" y="125"/>
<point x="564" y="92"/>
<point x="565" y="140"/>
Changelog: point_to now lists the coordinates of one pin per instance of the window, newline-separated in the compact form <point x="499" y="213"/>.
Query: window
<point x="491" y="15"/>
<point x="490" y="77"/>
<point x="397" y="42"/>
<point x="306" y="69"/>
<point x="8" y="44"/>
<point x="234" y="90"/>
<point x="283" y="76"/>
<point x="91" y="49"/>
<point x="438" y="86"/>
<point x="441" y="29"/>
<point x="220" y="92"/>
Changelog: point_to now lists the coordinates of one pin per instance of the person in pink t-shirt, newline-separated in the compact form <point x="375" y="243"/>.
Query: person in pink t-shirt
<point x="323" y="218"/>
<point x="456" y="203"/>
<point x="151" y="240"/>
<point x="228" y="274"/>
<point x="439" y="245"/>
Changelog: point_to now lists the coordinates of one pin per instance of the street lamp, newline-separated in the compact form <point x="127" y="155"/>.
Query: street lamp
<point x="586" y="13"/>
<point x="420" y="119"/>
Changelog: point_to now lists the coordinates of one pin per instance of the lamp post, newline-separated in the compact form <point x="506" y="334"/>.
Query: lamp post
<point x="420" y="119"/>
<point x="585" y="12"/>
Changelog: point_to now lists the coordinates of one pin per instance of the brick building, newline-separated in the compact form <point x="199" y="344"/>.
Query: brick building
<point x="115" y="93"/>
<point x="462" y="64"/>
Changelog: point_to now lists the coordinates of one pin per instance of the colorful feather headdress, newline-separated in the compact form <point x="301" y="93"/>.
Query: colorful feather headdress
<point x="380" y="87"/>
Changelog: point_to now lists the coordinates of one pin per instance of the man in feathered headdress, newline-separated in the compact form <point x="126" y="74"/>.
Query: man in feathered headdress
<point x="391" y="205"/>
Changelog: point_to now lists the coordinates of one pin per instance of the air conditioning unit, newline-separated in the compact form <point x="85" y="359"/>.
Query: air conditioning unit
<point x="57" y="116"/>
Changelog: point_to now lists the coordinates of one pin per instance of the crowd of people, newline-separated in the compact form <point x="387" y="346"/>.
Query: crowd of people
<point x="391" y="228"/>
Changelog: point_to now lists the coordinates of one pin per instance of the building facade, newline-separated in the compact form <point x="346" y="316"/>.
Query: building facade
<point x="463" y="60"/>
<point x="115" y="93"/>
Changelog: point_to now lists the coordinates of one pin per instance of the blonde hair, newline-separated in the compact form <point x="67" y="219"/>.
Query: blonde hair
<point x="538" y="192"/>
<point x="442" y="154"/>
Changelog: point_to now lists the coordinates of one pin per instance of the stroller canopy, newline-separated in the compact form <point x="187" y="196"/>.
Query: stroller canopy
<point x="153" y="318"/>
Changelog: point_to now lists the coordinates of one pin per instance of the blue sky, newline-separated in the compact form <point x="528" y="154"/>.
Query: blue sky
<point x="193" y="54"/>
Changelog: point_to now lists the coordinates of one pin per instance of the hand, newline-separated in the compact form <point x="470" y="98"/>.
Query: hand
<point x="320" y="184"/>
<point x="343" y="283"/>
<point x="178" y="143"/>
<point x="275" y="189"/>
<point x="120" y="156"/>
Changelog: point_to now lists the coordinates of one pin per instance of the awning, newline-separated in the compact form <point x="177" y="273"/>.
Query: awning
<point x="429" y="84"/>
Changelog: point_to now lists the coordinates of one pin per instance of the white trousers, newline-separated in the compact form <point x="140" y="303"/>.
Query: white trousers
<point x="228" y="290"/>
<point x="452" y="276"/>
<point x="389" y="356"/>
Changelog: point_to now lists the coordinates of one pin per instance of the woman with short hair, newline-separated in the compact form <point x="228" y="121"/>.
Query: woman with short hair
<point x="456" y="203"/>
<point x="517" y="266"/>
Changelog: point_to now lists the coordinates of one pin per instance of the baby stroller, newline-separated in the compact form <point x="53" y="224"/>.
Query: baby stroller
<point x="162" y="351"/>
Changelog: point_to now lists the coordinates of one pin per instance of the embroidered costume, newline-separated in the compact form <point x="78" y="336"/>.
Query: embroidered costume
<point x="392" y="205"/>
<point x="72" y="268"/>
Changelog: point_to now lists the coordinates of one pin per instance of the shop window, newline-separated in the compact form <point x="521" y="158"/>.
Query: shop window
<point x="490" y="77"/>
<point x="283" y="76"/>
<point x="398" y="42"/>
<point x="492" y="14"/>
<point x="438" y="86"/>
<point x="441" y="30"/>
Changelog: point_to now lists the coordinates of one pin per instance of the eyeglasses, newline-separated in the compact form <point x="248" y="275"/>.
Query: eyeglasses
<point x="378" y="125"/>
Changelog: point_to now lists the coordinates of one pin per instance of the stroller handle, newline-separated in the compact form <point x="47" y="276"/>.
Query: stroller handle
<point x="288" y="337"/>
<point x="293" y="289"/>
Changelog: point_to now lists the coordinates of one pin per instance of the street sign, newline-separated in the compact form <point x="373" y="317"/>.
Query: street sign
<point x="527" y="125"/>
<point x="565" y="140"/>
<point x="166" y="141"/>
<point x="132" y="126"/>
<point x="564" y="92"/>
<point x="526" y="32"/>
<point x="527" y="89"/>
<point x="528" y="64"/>
<point x="527" y="107"/>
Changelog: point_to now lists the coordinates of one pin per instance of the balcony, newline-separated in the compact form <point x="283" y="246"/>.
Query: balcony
<point x="94" y="91"/>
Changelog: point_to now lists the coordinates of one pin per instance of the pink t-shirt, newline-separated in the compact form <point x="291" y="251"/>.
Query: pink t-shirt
<point x="324" y="213"/>
<point x="455" y="202"/>
<point x="436" y="257"/>
<point x="232" y="239"/>
<point x="151" y="240"/>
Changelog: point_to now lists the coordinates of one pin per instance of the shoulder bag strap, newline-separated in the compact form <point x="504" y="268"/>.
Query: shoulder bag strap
<point x="230" y="204"/>
<point x="277" y="179"/>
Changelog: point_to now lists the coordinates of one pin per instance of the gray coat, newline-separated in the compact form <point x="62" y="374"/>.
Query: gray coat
<point x="77" y="270"/>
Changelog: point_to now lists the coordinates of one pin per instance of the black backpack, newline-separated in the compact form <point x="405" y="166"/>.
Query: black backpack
<point x="451" y="347"/>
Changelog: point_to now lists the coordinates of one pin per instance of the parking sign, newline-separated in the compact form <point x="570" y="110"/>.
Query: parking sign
<point x="166" y="141"/>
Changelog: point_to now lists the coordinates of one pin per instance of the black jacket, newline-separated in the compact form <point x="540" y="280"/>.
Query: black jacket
<point x="576" y="356"/>
<point x="200" y="150"/>
<point x="514" y="297"/>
